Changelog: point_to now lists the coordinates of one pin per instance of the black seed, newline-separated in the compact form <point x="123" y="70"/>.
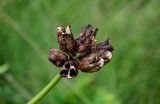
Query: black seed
<point x="67" y="66"/>
<point x="73" y="72"/>
<point x="63" y="73"/>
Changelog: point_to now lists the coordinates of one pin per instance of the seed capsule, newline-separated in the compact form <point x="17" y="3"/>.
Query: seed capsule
<point x="86" y="39"/>
<point x="65" y="39"/>
<point x="57" y="57"/>
<point x="96" y="58"/>
<point x="102" y="47"/>
<point x="93" y="62"/>
<point x="69" y="69"/>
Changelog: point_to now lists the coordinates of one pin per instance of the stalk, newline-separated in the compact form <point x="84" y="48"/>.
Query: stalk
<point x="45" y="90"/>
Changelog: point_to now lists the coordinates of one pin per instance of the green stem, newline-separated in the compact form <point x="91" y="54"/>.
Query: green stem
<point x="45" y="90"/>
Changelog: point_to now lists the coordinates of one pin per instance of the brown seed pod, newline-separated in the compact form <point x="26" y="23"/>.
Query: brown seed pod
<point x="86" y="39"/>
<point x="69" y="69"/>
<point x="94" y="61"/>
<point x="99" y="55"/>
<point x="88" y="62"/>
<point x="65" y="39"/>
<point x="57" y="57"/>
<point x="102" y="47"/>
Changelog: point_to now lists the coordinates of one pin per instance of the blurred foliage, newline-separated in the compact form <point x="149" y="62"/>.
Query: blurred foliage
<point x="3" y="69"/>
<point x="28" y="31"/>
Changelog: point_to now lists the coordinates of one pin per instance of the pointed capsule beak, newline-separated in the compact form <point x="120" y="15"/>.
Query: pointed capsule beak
<point x="60" y="29"/>
<point x="68" y="30"/>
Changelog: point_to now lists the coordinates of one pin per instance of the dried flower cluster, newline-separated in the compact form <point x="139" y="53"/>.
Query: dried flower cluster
<point x="92" y="56"/>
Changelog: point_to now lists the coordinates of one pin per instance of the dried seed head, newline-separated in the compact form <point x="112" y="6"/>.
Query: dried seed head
<point x="69" y="69"/>
<point x="57" y="57"/>
<point x="65" y="39"/>
<point x="92" y="58"/>
<point x="86" y="39"/>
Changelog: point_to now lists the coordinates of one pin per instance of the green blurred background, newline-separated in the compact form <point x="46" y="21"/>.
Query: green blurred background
<point x="28" y="31"/>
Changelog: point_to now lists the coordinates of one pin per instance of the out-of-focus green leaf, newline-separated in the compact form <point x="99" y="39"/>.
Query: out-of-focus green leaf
<point x="3" y="68"/>
<point x="102" y="96"/>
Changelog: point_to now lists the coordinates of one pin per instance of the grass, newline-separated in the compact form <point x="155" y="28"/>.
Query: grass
<point x="28" y="31"/>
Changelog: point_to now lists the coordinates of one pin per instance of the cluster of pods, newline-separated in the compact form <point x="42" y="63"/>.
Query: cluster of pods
<point x="82" y="53"/>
